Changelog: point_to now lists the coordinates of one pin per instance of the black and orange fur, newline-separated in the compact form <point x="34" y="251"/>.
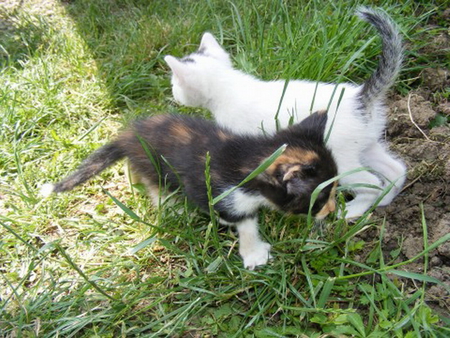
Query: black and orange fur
<point x="179" y="145"/>
<point x="168" y="152"/>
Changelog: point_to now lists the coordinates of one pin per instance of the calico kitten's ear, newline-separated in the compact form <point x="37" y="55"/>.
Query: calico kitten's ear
<point x="315" y="124"/>
<point x="294" y="175"/>
<point x="177" y="67"/>
<point x="291" y="171"/>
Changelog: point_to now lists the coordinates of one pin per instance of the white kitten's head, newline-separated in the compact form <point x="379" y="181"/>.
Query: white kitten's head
<point x="193" y="75"/>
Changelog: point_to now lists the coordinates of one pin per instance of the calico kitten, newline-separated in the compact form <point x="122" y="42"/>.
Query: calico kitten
<point x="178" y="147"/>
<point x="355" y="127"/>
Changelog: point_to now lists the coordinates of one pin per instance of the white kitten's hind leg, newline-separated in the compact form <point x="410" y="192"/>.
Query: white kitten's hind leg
<point x="252" y="249"/>
<point x="392" y="169"/>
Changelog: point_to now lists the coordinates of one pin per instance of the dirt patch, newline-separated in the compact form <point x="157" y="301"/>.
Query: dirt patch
<point x="418" y="131"/>
<point x="425" y="147"/>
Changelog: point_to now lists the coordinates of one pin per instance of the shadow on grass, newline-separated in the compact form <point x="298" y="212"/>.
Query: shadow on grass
<point x="128" y="40"/>
<point x="20" y="38"/>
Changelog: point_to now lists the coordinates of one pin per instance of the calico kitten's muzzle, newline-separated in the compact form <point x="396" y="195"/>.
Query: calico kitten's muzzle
<point x="330" y="206"/>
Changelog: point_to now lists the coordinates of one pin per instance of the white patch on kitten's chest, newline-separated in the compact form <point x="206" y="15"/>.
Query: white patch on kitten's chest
<point x="244" y="203"/>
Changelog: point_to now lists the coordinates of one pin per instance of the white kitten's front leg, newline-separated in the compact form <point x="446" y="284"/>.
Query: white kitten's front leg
<point x="251" y="248"/>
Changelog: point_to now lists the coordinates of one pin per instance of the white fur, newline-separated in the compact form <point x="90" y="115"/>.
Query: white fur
<point x="252" y="249"/>
<point x="46" y="189"/>
<point x="246" y="203"/>
<point x="246" y="104"/>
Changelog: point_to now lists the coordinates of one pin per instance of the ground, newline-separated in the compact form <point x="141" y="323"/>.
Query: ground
<point x="426" y="151"/>
<point x="416" y="135"/>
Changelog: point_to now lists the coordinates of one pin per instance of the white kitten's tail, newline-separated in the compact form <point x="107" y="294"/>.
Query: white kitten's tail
<point x="374" y="89"/>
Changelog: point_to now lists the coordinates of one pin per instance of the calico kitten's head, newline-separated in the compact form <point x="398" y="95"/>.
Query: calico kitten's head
<point x="191" y="74"/>
<point x="305" y="164"/>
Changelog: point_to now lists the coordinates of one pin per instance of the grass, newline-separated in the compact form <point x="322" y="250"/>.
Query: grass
<point x="101" y="261"/>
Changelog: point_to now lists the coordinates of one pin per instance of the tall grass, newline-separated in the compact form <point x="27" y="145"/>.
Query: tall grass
<point x="101" y="260"/>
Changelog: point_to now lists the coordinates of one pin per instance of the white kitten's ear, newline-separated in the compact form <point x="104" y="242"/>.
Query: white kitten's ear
<point x="208" y="42"/>
<point x="177" y="67"/>
<point x="211" y="47"/>
<point x="172" y="62"/>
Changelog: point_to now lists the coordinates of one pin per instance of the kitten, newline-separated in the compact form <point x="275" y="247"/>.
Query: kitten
<point x="178" y="147"/>
<point x="355" y="127"/>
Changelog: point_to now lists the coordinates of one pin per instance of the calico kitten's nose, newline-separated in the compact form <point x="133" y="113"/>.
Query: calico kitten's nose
<point x="330" y="206"/>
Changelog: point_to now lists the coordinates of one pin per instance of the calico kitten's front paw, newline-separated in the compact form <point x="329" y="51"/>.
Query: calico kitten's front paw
<point x="256" y="255"/>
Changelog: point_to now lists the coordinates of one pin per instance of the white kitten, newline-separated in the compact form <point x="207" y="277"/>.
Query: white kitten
<point x="356" y="120"/>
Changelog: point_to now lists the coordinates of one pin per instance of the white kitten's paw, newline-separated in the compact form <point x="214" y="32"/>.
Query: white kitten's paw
<point x="388" y="198"/>
<point x="256" y="255"/>
<point x="395" y="190"/>
<point x="356" y="208"/>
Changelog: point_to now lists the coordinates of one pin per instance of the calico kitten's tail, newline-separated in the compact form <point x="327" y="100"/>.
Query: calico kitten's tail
<point x="391" y="57"/>
<point x="101" y="159"/>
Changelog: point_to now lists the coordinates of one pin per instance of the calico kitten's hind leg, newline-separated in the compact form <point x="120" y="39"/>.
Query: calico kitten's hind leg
<point x="252" y="249"/>
<point x="157" y="196"/>
<point x="132" y="176"/>
<point x="391" y="169"/>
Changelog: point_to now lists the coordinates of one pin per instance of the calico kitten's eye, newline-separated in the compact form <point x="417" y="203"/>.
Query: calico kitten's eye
<point x="309" y="169"/>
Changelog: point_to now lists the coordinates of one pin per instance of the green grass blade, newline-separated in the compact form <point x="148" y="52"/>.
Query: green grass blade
<point x="143" y="244"/>
<point x="417" y="276"/>
<point x="124" y="208"/>
<point x="326" y="291"/>
<point x="82" y="274"/>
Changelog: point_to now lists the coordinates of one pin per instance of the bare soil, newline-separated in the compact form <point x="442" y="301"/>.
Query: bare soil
<point x="425" y="148"/>
<point x="415" y="134"/>
<point x="426" y="152"/>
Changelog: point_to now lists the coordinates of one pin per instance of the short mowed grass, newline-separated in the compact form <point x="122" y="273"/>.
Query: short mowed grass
<point x="102" y="261"/>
